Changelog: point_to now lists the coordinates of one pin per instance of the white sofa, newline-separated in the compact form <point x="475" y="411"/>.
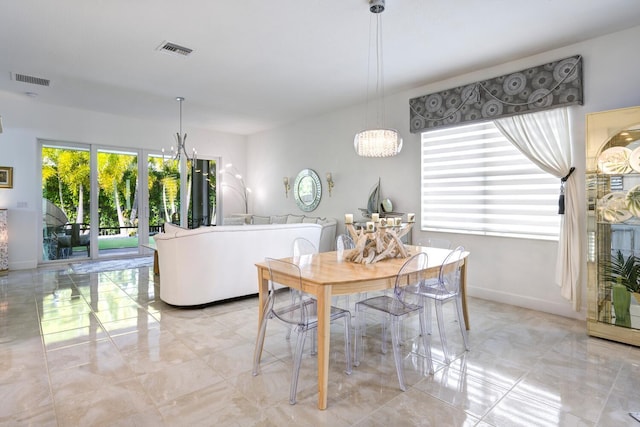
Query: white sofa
<point x="209" y="264"/>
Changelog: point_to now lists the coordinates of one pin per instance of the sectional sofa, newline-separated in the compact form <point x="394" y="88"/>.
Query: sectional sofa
<point x="209" y="264"/>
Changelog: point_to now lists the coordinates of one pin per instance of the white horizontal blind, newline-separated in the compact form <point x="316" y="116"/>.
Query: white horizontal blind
<point x="475" y="181"/>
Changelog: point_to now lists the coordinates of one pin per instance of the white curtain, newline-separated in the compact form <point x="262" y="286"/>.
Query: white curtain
<point x="545" y="139"/>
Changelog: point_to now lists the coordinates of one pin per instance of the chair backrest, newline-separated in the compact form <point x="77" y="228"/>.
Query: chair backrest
<point x="344" y="241"/>
<point x="412" y="272"/>
<point x="449" y="276"/>
<point x="293" y="311"/>
<point x="435" y="242"/>
<point x="302" y="246"/>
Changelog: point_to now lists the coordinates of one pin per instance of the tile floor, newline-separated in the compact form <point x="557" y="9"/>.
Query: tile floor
<point x="87" y="348"/>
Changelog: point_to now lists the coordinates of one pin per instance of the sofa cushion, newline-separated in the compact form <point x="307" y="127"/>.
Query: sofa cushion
<point x="310" y="220"/>
<point x="294" y="219"/>
<point x="279" y="219"/>
<point x="172" y="228"/>
<point x="260" y="220"/>
<point x="238" y="220"/>
<point x="246" y="217"/>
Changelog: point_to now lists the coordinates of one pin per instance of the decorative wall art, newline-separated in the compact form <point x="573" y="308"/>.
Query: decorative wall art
<point x="6" y="177"/>
<point x="546" y="86"/>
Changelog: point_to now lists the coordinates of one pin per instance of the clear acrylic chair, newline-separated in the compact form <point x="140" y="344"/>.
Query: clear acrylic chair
<point x="396" y="308"/>
<point x="301" y="248"/>
<point x="446" y="288"/>
<point x="344" y="242"/>
<point x="301" y="316"/>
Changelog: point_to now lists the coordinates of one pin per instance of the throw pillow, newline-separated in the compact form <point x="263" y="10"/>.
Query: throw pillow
<point x="172" y="228"/>
<point x="260" y="220"/>
<point x="278" y="219"/>
<point x="294" y="219"/>
<point x="234" y="221"/>
<point x="310" y="220"/>
<point x="246" y="217"/>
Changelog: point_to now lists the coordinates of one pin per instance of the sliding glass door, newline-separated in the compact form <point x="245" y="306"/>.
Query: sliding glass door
<point x="202" y="186"/>
<point x="94" y="206"/>
<point x="117" y="175"/>
<point x="66" y="224"/>
<point x="164" y="192"/>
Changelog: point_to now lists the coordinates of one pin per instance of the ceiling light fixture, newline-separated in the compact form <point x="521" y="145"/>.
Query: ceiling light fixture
<point x="181" y="138"/>
<point x="378" y="141"/>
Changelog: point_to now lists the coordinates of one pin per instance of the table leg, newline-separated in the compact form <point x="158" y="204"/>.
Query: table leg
<point x="324" y="328"/>
<point x="263" y="293"/>
<point x="156" y="263"/>
<point x="463" y="293"/>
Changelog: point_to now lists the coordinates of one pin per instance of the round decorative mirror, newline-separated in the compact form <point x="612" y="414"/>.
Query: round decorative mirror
<point x="307" y="190"/>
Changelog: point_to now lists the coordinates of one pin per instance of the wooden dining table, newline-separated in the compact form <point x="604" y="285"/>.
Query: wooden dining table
<point x="325" y="275"/>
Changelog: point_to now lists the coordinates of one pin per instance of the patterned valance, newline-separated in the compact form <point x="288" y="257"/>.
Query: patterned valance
<point x="551" y="85"/>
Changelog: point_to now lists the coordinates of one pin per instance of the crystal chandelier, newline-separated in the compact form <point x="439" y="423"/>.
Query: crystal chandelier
<point x="378" y="142"/>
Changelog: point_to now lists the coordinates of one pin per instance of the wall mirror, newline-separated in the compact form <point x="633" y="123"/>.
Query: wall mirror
<point x="307" y="190"/>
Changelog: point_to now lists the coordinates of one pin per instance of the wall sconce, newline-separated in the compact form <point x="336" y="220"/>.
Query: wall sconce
<point x="287" y="187"/>
<point x="330" y="182"/>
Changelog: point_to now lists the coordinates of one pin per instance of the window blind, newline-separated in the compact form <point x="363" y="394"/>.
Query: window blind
<point x="475" y="181"/>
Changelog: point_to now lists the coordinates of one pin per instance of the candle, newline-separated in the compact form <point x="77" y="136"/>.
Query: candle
<point x="369" y="225"/>
<point x="411" y="217"/>
<point x="348" y="218"/>
<point x="398" y="221"/>
<point x="375" y="217"/>
<point x="383" y="222"/>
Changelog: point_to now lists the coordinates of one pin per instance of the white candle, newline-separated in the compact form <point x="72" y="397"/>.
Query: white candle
<point x="411" y="217"/>
<point x="369" y="225"/>
<point x="398" y="221"/>
<point x="383" y="222"/>
<point x="375" y="217"/>
<point x="348" y="218"/>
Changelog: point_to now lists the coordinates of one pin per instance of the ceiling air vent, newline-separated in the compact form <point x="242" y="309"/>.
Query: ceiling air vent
<point x="175" y="49"/>
<point x="31" y="79"/>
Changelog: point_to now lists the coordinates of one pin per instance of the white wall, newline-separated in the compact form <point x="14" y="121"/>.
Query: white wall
<point x="515" y="271"/>
<point x="26" y="120"/>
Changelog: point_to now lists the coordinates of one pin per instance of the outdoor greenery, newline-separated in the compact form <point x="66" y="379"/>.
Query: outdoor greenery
<point x="623" y="271"/>
<point x="66" y="184"/>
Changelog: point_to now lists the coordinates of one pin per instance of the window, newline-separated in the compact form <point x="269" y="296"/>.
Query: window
<point x="475" y="181"/>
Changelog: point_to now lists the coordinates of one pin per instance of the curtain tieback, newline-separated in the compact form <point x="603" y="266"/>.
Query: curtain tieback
<point x="562" y="181"/>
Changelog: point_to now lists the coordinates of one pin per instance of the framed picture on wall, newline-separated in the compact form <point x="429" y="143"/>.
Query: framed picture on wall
<point x="6" y="177"/>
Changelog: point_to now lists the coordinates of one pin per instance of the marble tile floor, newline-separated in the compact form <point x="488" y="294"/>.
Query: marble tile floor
<point x="99" y="348"/>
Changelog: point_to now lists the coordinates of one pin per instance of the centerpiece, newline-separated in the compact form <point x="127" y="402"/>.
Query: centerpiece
<point x="380" y="239"/>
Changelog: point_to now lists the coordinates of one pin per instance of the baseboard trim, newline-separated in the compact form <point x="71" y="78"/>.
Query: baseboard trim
<point x="23" y="265"/>
<point x="552" y="307"/>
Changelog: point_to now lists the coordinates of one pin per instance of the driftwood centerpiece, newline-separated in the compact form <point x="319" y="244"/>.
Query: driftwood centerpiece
<point x="376" y="243"/>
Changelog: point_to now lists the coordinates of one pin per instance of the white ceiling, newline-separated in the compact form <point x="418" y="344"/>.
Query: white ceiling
<point x="257" y="64"/>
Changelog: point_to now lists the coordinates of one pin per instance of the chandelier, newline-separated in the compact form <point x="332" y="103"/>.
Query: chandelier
<point x="378" y="141"/>
<point x="181" y="149"/>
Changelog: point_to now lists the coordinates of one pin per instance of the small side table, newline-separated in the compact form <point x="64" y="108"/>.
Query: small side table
<point x="156" y="265"/>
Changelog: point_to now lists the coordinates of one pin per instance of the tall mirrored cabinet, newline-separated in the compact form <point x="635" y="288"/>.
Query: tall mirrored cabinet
<point x="613" y="225"/>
